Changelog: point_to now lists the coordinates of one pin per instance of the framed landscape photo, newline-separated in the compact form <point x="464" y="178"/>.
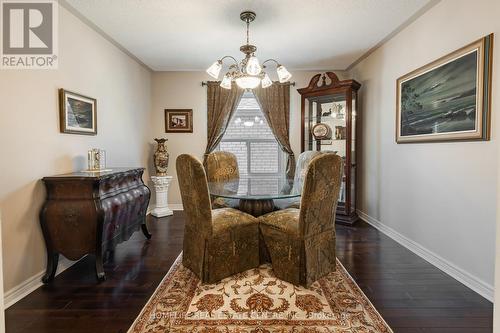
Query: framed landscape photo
<point x="178" y="120"/>
<point x="448" y="99"/>
<point x="77" y="113"/>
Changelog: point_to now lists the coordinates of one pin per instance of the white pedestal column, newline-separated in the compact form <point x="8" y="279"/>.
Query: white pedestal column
<point x="161" y="188"/>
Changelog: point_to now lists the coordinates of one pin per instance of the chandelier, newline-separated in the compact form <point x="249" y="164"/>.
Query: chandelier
<point x="248" y="73"/>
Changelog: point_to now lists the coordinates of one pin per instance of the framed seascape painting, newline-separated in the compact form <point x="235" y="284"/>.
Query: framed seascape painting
<point x="77" y="113"/>
<point x="448" y="99"/>
<point x="178" y="120"/>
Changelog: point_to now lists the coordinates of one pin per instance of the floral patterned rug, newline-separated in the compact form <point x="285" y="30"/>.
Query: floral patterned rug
<point x="256" y="301"/>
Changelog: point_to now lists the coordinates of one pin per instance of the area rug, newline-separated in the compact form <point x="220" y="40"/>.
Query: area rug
<point x="257" y="302"/>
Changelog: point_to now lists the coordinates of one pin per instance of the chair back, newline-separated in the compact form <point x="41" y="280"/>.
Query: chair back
<point x="194" y="192"/>
<point x="301" y="168"/>
<point x="221" y="165"/>
<point x="320" y="194"/>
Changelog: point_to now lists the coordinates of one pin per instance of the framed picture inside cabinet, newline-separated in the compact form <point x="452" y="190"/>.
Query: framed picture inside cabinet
<point x="178" y="120"/>
<point x="448" y="99"/>
<point x="77" y="113"/>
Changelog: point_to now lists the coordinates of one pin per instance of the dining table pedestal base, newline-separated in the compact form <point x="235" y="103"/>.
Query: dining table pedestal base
<point x="256" y="193"/>
<point x="256" y="207"/>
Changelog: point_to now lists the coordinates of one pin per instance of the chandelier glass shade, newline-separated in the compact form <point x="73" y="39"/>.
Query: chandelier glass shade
<point x="283" y="74"/>
<point x="215" y="69"/>
<point x="226" y="82"/>
<point x="253" y="66"/>
<point x="249" y="72"/>
<point x="266" y="81"/>
<point x="248" y="81"/>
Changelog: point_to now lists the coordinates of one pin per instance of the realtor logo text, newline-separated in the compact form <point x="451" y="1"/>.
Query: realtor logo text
<point x="29" y="34"/>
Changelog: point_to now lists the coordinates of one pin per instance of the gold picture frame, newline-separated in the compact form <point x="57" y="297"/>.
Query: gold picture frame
<point x="77" y="113"/>
<point x="448" y="99"/>
<point x="178" y="121"/>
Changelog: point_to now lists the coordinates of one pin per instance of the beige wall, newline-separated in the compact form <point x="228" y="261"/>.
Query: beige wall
<point x="32" y="147"/>
<point x="183" y="90"/>
<point x="440" y="196"/>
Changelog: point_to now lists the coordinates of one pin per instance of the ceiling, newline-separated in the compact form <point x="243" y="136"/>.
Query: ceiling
<point x="182" y="35"/>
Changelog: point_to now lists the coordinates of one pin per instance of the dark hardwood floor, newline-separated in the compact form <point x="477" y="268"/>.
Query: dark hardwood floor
<point x="412" y="295"/>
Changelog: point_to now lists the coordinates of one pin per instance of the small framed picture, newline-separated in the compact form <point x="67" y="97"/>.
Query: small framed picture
<point x="77" y="113"/>
<point x="178" y="120"/>
<point x="340" y="132"/>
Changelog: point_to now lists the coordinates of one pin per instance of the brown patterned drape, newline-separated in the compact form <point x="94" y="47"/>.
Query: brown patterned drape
<point x="275" y="104"/>
<point x="221" y="104"/>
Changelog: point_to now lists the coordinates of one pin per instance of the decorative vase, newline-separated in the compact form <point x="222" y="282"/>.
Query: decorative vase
<point x="161" y="158"/>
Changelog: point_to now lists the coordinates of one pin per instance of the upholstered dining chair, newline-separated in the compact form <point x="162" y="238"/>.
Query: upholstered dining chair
<point x="217" y="243"/>
<point x="298" y="179"/>
<point x="222" y="166"/>
<point x="301" y="242"/>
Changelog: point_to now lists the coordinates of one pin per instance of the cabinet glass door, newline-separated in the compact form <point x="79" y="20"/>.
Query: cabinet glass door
<point x="353" y="151"/>
<point x="325" y="128"/>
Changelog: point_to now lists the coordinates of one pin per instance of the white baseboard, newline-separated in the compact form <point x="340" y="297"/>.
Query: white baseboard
<point x="479" y="286"/>
<point x="26" y="287"/>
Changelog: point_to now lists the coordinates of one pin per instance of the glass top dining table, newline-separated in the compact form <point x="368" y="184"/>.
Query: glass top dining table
<point x="255" y="192"/>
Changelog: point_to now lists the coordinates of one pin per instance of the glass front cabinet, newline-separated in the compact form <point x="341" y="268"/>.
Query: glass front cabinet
<point x="329" y="113"/>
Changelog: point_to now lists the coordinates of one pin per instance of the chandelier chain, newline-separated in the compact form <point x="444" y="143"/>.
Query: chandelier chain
<point x="248" y="27"/>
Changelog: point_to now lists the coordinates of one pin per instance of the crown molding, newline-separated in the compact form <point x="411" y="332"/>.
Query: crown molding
<point x="396" y="31"/>
<point x="101" y="32"/>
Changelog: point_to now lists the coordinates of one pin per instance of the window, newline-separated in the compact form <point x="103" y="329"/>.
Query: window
<point x="249" y="137"/>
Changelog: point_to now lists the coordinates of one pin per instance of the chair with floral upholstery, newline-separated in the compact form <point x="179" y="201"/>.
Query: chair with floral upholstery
<point x="217" y="243"/>
<point x="222" y="166"/>
<point x="301" y="242"/>
<point x="300" y="173"/>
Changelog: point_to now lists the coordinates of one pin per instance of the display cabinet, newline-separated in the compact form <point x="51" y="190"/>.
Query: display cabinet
<point x="329" y="116"/>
